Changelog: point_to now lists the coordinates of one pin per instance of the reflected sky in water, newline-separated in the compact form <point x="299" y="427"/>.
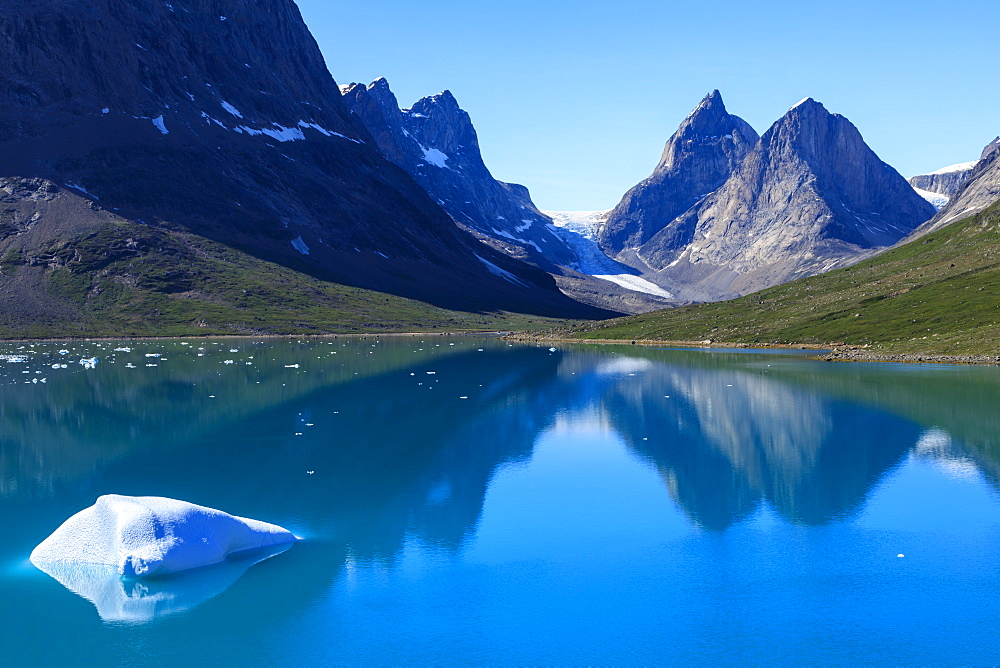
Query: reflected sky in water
<point x="469" y="500"/>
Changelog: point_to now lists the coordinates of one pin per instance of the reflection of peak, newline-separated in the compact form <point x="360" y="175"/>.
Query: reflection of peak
<point x="727" y="441"/>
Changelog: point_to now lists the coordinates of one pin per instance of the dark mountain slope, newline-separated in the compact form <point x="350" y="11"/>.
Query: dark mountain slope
<point x="436" y="143"/>
<point x="219" y="119"/>
<point x="92" y="273"/>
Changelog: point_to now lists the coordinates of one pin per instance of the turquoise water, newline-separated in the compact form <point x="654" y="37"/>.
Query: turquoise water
<point x="466" y="501"/>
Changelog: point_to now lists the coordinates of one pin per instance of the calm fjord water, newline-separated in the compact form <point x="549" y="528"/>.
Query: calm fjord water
<point x="468" y="501"/>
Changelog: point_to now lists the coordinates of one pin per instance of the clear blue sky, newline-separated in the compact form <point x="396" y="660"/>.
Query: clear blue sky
<point x="576" y="99"/>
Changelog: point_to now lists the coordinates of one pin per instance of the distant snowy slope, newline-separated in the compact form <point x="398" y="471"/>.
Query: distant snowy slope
<point x="938" y="200"/>
<point x="580" y="230"/>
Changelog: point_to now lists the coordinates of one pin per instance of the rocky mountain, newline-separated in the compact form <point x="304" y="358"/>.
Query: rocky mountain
<point x="709" y="144"/>
<point x="978" y="189"/>
<point x="216" y="119"/>
<point x="808" y="197"/>
<point x="436" y="143"/>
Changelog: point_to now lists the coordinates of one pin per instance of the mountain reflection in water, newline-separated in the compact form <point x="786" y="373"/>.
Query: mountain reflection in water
<point x="369" y="444"/>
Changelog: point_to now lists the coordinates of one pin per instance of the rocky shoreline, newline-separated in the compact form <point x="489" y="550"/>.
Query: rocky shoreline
<point x="830" y="353"/>
<point x="913" y="358"/>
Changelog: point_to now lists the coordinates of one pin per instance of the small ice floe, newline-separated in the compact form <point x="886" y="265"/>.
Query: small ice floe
<point x="57" y="366"/>
<point x="64" y="352"/>
<point x="900" y="555"/>
<point x="108" y="552"/>
<point x="154" y="354"/>
<point x="89" y="363"/>
<point x="122" y="350"/>
<point x="234" y="350"/>
<point x="291" y="366"/>
<point x="16" y="359"/>
<point x="431" y="373"/>
<point x="552" y="350"/>
<point x="130" y="366"/>
<point x="229" y="362"/>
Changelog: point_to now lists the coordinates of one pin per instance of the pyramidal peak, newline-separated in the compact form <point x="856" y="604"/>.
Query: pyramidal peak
<point x="806" y="101"/>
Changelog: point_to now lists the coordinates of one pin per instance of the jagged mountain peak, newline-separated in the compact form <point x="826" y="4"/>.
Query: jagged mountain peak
<point x="990" y="148"/>
<point x="709" y="126"/>
<point x="436" y="142"/>
<point x="696" y="160"/>
<point x="810" y="196"/>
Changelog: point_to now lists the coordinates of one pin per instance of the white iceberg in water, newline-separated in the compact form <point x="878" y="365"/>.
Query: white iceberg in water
<point x="143" y="536"/>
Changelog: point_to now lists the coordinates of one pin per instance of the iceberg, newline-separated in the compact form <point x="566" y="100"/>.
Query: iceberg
<point x="144" y="536"/>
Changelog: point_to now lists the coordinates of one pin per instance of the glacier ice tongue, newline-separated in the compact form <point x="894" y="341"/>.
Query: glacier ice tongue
<point x="143" y="536"/>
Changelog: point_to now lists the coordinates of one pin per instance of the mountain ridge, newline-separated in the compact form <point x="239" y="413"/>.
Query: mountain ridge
<point x="809" y="196"/>
<point x="220" y="119"/>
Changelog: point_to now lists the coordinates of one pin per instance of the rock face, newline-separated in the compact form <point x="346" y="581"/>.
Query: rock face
<point x="696" y="161"/>
<point x="220" y="119"/>
<point x="809" y="197"/>
<point x="436" y="143"/>
<point x="980" y="188"/>
<point x="143" y="536"/>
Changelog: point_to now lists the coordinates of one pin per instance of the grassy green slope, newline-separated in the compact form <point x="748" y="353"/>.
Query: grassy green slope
<point x="937" y="294"/>
<point x="126" y="281"/>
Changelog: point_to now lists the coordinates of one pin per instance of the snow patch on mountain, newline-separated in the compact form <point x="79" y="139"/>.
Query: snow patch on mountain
<point x="160" y="125"/>
<point x="960" y="167"/>
<point x="435" y="157"/>
<point x="635" y="283"/>
<point x="502" y="273"/>
<point x="231" y="109"/>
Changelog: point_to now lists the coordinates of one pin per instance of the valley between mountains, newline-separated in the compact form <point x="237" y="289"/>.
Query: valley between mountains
<point x="165" y="171"/>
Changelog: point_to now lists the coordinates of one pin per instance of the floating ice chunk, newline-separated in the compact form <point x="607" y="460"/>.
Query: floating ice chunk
<point x="552" y="350"/>
<point x="153" y="354"/>
<point x="120" y="350"/>
<point x="229" y="362"/>
<point x="89" y="363"/>
<point x="291" y="366"/>
<point x="142" y="536"/>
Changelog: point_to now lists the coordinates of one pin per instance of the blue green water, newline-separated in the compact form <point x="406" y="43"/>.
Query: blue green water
<point x="468" y="501"/>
